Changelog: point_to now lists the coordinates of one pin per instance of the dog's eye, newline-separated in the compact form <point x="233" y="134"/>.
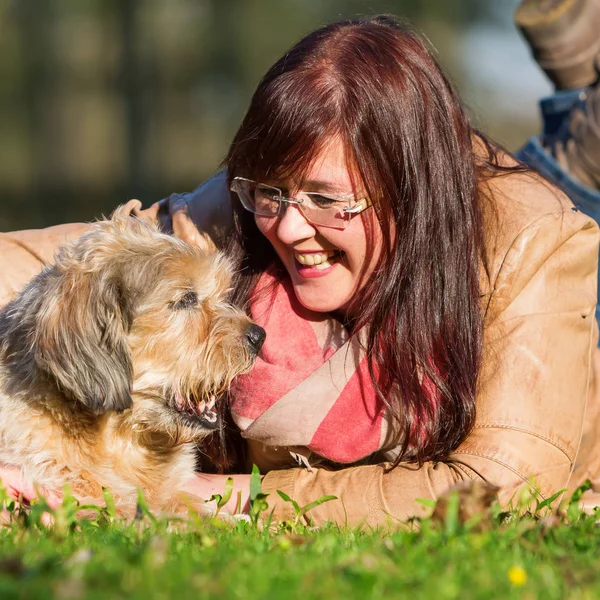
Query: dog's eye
<point x="188" y="300"/>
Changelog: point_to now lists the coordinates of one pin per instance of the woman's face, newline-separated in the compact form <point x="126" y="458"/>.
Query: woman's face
<point x="327" y="266"/>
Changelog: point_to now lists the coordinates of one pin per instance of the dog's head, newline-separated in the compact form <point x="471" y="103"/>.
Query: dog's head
<point x="132" y="318"/>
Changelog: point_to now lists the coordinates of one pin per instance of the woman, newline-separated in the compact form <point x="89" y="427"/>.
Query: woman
<point x="428" y="301"/>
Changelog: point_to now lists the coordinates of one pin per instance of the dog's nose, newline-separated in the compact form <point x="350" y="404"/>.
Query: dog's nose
<point x="255" y="336"/>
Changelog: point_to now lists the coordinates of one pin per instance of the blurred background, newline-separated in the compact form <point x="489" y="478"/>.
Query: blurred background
<point x="105" y="100"/>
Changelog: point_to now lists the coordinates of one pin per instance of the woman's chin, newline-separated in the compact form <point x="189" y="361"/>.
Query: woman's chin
<point x="320" y="303"/>
<point x="322" y="290"/>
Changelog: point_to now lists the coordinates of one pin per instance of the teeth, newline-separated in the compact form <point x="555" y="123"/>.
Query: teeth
<point x="211" y="403"/>
<point x="210" y="416"/>
<point x="323" y="265"/>
<point x="201" y="406"/>
<point x="314" y="258"/>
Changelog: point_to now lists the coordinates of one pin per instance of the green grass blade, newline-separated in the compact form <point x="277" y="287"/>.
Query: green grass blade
<point x="143" y="507"/>
<point x="548" y="501"/>
<point x="226" y="493"/>
<point x="452" y="523"/>
<point x="314" y="504"/>
<point x="255" y="483"/>
<point x="109" y="501"/>
<point x="285" y="497"/>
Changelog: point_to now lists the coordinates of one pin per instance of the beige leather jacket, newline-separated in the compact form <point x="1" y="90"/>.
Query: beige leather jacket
<point x="538" y="402"/>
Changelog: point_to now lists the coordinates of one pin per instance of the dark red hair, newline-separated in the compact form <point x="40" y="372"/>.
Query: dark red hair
<point x="376" y="85"/>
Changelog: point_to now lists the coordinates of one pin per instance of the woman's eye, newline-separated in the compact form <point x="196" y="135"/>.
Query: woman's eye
<point x="266" y="194"/>
<point x="323" y="201"/>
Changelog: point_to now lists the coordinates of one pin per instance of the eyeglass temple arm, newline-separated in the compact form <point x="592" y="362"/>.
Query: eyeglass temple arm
<point x="358" y="207"/>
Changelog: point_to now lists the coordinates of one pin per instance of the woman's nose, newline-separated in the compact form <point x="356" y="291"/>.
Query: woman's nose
<point x="293" y="225"/>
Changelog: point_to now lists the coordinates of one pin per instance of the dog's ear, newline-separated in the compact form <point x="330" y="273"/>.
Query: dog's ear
<point x="81" y="334"/>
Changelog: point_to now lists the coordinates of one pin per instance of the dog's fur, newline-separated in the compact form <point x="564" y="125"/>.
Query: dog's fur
<point x="106" y="358"/>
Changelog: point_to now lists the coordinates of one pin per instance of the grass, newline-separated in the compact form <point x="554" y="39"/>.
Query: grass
<point x="547" y="553"/>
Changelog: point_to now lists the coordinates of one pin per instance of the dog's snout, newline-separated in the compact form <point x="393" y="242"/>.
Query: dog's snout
<point x="255" y="336"/>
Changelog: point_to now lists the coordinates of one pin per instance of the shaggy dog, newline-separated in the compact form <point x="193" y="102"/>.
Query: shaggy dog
<point x="111" y="361"/>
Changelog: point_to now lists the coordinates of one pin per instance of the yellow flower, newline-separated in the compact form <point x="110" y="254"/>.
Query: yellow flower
<point x="517" y="576"/>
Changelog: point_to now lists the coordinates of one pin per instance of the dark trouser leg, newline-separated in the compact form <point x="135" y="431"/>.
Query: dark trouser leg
<point x="555" y="113"/>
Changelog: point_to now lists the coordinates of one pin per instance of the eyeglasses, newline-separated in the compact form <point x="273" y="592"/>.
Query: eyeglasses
<point x="319" y="209"/>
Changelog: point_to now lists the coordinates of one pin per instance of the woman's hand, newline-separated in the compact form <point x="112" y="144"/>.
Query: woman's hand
<point x="200" y="218"/>
<point x="205" y="486"/>
<point x="171" y="215"/>
<point x="202" y="485"/>
<point x="18" y="489"/>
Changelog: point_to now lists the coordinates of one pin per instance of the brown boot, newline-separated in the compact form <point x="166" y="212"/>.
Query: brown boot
<point x="564" y="36"/>
<point x="578" y="152"/>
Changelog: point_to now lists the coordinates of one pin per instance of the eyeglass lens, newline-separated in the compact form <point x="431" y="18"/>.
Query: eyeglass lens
<point x="317" y="209"/>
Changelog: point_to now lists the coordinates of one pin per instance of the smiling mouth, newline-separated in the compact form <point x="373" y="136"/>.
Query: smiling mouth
<point x="318" y="260"/>
<point x="198" y="414"/>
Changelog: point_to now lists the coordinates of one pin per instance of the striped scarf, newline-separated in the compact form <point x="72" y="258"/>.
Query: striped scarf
<point x="310" y="390"/>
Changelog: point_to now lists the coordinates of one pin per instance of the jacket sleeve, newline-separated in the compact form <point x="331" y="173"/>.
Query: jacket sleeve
<point x="539" y="335"/>
<point x="210" y="208"/>
<point x="23" y="254"/>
